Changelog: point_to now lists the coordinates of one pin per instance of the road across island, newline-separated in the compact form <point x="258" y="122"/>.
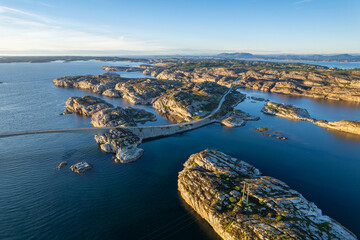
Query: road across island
<point x="145" y="132"/>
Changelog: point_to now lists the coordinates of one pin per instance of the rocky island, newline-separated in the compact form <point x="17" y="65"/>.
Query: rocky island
<point x="286" y="111"/>
<point x="295" y="113"/>
<point x="104" y="114"/>
<point x="237" y="118"/>
<point x="240" y="203"/>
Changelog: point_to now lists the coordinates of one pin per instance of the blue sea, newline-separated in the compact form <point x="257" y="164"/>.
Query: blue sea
<point x="140" y="200"/>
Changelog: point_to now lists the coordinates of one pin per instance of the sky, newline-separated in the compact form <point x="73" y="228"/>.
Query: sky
<point x="195" y="27"/>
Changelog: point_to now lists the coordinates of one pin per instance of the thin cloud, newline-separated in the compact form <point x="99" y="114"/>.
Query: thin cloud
<point x="22" y="31"/>
<point x="6" y="10"/>
<point x="302" y="1"/>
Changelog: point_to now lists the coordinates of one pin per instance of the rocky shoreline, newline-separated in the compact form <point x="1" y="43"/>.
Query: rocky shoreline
<point x="240" y="203"/>
<point x="295" y="113"/>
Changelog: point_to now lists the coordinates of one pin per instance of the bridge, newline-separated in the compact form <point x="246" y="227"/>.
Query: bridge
<point x="145" y="132"/>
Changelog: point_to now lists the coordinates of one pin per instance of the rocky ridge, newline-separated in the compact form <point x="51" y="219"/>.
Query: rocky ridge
<point x="240" y="203"/>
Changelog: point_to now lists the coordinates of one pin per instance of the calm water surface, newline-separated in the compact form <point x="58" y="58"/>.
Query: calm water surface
<point x="140" y="200"/>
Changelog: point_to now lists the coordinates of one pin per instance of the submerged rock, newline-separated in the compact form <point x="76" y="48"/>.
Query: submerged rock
<point x="62" y="164"/>
<point x="262" y="129"/>
<point x="81" y="167"/>
<point x="277" y="135"/>
<point x="240" y="203"/>
<point x="260" y="99"/>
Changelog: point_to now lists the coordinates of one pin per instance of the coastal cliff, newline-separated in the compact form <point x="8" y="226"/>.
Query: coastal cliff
<point x="240" y="203"/>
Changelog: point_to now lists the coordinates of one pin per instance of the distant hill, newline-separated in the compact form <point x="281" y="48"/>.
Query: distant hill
<point x="294" y="57"/>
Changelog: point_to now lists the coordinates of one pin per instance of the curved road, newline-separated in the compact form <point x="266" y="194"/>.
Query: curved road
<point x="106" y="129"/>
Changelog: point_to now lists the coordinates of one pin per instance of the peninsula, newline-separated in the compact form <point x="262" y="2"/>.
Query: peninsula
<point x="300" y="114"/>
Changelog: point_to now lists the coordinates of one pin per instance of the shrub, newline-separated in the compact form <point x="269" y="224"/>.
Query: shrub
<point x="232" y="199"/>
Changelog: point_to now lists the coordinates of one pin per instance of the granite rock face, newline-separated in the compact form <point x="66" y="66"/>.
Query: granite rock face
<point x="240" y="203"/>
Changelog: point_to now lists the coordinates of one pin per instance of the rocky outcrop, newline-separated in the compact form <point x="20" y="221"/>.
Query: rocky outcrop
<point x="62" y="164"/>
<point x="238" y="118"/>
<point x="325" y="85"/>
<point x="99" y="84"/>
<point x="286" y="111"/>
<point x="191" y="102"/>
<point x="240" y="203"/>
<point x="86" y="105"/>
<point x="81" y="167"/>
<point x="123" y="142"/>
<point x="124" y="68"/>
<point x="117" y="116"/>
<point x="295" y="113"/>
<point x="112" y="117"/>
<point x="275" y="134"/>
<point x="143" y="91"/>
<point x="221" y="76"/>
<point x="104" y="114"/>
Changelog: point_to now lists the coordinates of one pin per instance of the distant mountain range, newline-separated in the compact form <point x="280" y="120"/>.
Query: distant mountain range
<point x="294" y="57"/>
